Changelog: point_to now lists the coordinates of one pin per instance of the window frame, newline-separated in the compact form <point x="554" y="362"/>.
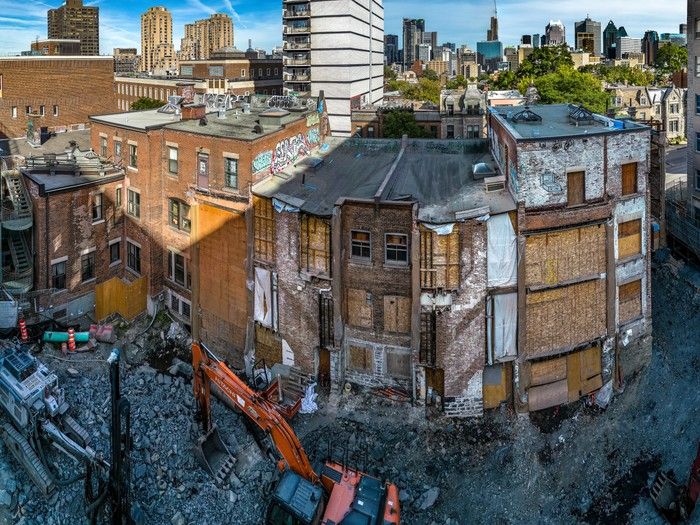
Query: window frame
<point x="133" y="156"/>
<point x="361" y="245"/>
<point x="14" y="112"/>
<point x="179" y="215"/>
<point x="87" y="266"/>
<point x="55" y="110"/>
<point x="397" y="248"/>
<point x="55" y="276"/>
<point x="626" y="192"/>
<point x="97" y="207"/>
<point x="569" y="176"/>
<point x="228" y="161"/>
<point x="133" y="255"/>
<point x="186" y="281"/>
<point x="173" y="163"/>
<point x="638" y="231"/>
<point x="112" y="244"/>
<point x="133" y="208"/>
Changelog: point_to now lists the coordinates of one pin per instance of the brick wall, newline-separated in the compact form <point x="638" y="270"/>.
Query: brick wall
<point x="78" y="87"/>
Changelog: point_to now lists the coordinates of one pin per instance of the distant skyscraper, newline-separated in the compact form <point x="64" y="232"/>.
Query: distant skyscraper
<point x="591" y="42"/>
<point x="650" y="46"/>
<point x="526" y="40"/>
<point x="555" y="33"/>
<point x="536" y="40"/>
<point x="203" y="37"/>
<point x="450" y="45"/>
<point x="430" y="38"/>
<point x="73" y="20"/>
<point x="489" y="54"/>
<point x="157" y="51"/>
<point x="683" y="29"/>
<point x="412" y="36"/>
<point x="610" y="36"/>
<point x="391" y="49"/>
<point x="626" y="44"/>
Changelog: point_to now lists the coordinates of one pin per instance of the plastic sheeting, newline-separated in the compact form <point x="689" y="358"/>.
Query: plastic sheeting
<point x="502" y="326"/>
<point x="502" y="252"/>
<point x="283" y="206"/>
<point x="440" y="229"/>
<point x="263" y="297"/>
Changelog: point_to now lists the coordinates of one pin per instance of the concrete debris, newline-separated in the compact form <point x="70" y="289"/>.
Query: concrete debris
<point x="428" y="498"/>
<point x="72" y="372"/>
<point x="179" y="367"/>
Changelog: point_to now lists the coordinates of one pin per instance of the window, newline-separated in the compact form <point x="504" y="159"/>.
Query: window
<point x="315" y="242"/>
<point x="216" y="71"/>
<point x="172" y="160"/>
<point x="115" y="252"/>
<point x="179" y="215"/>
<point x="118" y="198"/>
<point x="260" y="73"/>
<point x="42" y="110"/>
<point x="472" y="132"/>
<point x="177" y="269"/>
<point x="14" y="111"/>
<point x="55" y="110"/>
<point x="133" y="204"/>
<point x="268" y="71"/>
<point x="629" y="238"/>
<point x="697" y="104"/>
<point x="117" y="150"/>
<point x="674" y="108"/>
<point x="360" y="246"/>
<point x="450" y="131"/>
<point x="275" y="71"/>
<point x="397" y="314"/>
<point x="697" y="179"/>
<point x="697" y="142"/>
<point x="29" y="109"/>
<point x="242" y="73"/>
<point x="673" y="126"/>
<point x="630" y="299"/>
<point x="87" y="266"/>
<point x="264" y="229"/>
<point x="203" y="170"/>
<point x="58" y="275"/>
<point x="180" y="306"/>
<point x="370" y="132"/>
<point x="697" y="66"/>
<point x="97" y="207"/>
<point x="133" y="256"/>
<point x="133" y="155"/>
<point x="575" y="188"/>
<point x="103" y="146"/>
<point x="360" y="359"/>
<point x="231" y="172"/>
<point x="629" y="178"/>
<point x="439" y="259"/>
<point x="396" y="248"/>
<point x="697" y="28"/>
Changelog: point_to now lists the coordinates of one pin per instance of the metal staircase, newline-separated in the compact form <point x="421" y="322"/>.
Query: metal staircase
<point x="17" y="222"/>
<point x="17" y="206"/>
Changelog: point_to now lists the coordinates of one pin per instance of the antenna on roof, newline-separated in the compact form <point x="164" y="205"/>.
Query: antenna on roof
<point x="495" y="9"/>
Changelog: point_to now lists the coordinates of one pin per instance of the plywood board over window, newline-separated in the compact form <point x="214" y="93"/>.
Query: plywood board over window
<point x="359" y="308"/>
<point x="439" y="259"/>
<point x="361" y="359"/>
<point x="630" y="301"/>
<point x="398" y="364"/>
<point x="315" y="245"/>
<point x="629" y="178"/>
<point x="575" y="188"/>
<point x="264" y="229"/>
<point x="397" y="314"/>
<point x="629" y="238"/>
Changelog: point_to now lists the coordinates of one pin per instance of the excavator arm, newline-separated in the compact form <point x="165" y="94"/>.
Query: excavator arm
<point x="207" y="370"/>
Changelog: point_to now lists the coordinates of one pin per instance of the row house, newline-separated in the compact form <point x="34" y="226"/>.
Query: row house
<point x="666" y="105"/>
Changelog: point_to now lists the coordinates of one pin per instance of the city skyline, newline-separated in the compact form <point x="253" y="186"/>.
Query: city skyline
<point x="459" y="22"/>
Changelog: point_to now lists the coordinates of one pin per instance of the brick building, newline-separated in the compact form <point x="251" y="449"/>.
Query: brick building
<point x="583" y="233"/>
<point x="75" y="20"/>
<point x="56" y="46"/>
<point x="126" y="60"/>
<point x="44" y="89"/>
<point x="185" y="194"/>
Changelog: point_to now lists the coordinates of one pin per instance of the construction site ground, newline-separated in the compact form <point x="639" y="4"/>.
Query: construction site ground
<point x="574" y="464"/>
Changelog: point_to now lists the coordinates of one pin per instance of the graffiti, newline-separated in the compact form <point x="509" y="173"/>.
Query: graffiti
<point x="289" y="150"/>
<point x="283" y="101"/>
<point x="514" y="180"/>
<point x="188" y="94"/>
<point x="262" y="161"/>
<point x="312" y="119"/>
<point x="313" y="137"/>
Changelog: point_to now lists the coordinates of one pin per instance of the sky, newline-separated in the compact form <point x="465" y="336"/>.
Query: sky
<point x="458" y="21"/>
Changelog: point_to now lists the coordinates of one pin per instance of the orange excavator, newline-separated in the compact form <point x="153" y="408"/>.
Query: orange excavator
<point x="339" y="495"/>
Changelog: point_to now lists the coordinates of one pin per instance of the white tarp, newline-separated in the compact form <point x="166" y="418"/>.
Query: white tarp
<point x="440" y="229"/>
<point x="505" y="324"/>
<point x="287" y="353"/>
<point x="263" y="297"/>
<point x="502" y="254"/>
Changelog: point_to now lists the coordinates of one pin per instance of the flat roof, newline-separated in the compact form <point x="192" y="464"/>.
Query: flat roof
<point x="55" y="144"/>
<point x="557" y="122"/>
<point x="436" y="174"/>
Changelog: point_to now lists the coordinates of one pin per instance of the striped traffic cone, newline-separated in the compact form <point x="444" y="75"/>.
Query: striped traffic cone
<point x="71" y="340"/>
<point x="24" y="335"/>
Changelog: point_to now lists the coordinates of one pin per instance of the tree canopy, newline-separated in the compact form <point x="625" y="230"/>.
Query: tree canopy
<point x="389" y="74"/>
<point x="425" y="89"/>
<point x="146" y="103"/>
<point x="670" y="58"/>
<point x="567" y="85"/>
<point x="632" y="76"/>
<point x="400" y="122"/>
<point x="458" y="82"/>
<point x="430" y="74"/>
<point x="544" y="60"/>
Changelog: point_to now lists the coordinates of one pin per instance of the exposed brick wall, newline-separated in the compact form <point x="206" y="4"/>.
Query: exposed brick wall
<point x="79" y="87"/>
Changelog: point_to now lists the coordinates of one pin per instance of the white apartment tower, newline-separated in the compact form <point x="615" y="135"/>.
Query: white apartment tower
<point x="335" y="46"/>
<point x="693" y="105"/>
<point x="157" y="50"/>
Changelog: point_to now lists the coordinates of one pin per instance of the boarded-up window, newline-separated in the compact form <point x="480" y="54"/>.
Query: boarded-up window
<point x="264" y="229"/>
<point x="575" y="188"/>
<point x="315" y="244"/>
<point x="325" y="320"/>
<point x="397" y="314"/>
<point x="359" y="308"/>
<point x="360" y="359"/>
<point x="439" y="259"/>
<point x="565" y="317"/>
<point x="629" y="238"/>
<point x="630" y="301"/>
<point x="427" y="338"/>
<point x="629" y="178"/>
<point x="566" y="255"/>
<point x="398" y="364"/>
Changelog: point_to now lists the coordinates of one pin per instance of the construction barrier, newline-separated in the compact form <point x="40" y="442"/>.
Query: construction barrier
<point x="64" y="337"/>
<point x="24" y="335"/>
<point x="118" y="296"/>
<point x="71" y="340"/>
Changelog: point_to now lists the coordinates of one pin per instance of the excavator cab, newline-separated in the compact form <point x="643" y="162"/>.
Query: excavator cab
<point x="295" y="501"/>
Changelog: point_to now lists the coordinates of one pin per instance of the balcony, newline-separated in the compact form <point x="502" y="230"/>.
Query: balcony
<point x="297" y="61"/>
<point x="297" y="45"/>
<point x="296" y="13"/>
<point x="294" y="30"/>
<point x="297" y="78"/>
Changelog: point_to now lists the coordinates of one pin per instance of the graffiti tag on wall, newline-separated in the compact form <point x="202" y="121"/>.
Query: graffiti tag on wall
<point x="289" y="150"/>
<point x="313" y="136"/>
<point x="312" y="119"/>
<point x="262" y="161"/>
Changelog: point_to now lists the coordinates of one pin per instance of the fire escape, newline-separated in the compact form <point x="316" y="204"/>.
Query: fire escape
<point x="297" y="47"/>
<point x="17" y="274"/>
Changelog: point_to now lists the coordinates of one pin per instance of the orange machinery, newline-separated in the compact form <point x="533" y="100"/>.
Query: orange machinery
<point x="339" y="495"/>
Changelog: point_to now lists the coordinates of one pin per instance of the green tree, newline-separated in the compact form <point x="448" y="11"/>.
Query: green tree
<point x="458" y="82"/>
<point x="389" y="74"/>
<point x="430" y="74"/>
<point x="670" y="59"/>
<point x="505" y="80"/>
<point x="567" y="85"/>
<point x="544" y="60"/>
<point x="632" y="76"/>
<point x="400" y="122"/>
<point x="146" y="103"/>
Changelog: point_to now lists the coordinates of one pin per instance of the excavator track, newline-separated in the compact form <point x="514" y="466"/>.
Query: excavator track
<point x="27" y="457"/>
<point x="76" y="431"/>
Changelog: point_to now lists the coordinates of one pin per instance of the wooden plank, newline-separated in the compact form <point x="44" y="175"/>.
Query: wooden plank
<point x="546" y="396"/>
<point x="591" y="385"/>
<point x="590" y="363"/>
<point x="573" y="376"/>
<point x="495" y="394"/>
<point x="398" y="364"/>
<point x="549" y="371"/>
<point x="359" y="312"/>
<point x="575" y="188"/>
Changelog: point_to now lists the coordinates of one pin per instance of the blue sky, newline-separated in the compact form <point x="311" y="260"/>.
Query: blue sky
<point x="460" y="21"/>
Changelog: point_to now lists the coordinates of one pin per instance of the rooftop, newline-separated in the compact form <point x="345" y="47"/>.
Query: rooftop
<point x="436" y="174"/>
<point x="55" y="144"/>
<point x="558" y="121"/>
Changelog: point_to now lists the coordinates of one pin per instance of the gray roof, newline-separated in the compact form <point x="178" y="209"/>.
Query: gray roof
<point x="55" y="144"/>
<point x="436" y="174"/>
<point x="556" y="123"/>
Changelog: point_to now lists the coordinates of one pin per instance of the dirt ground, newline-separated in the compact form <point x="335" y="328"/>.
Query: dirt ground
<point x="574" y="464"/>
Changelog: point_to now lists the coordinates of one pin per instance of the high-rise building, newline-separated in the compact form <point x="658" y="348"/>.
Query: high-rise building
<point x="204" y="37"/>
<point x="683" y="29"/>
<point x="74" y="20"/>
<point x="627" y="44"/>
<point x="341" y="54"/>
<point x="610" y="36"/>
<point x="526" y="40"/>
<point x="55" y="47"/>
<point x="650" y="46"/>
<point x="489" y="54"/>
<point x="424" y="52"/>
<point x="126" y="60"/>
<point x="536" y="40"/>
<point x="590" y="39"/>
<point x="555" y="33"/>
<point x="451" y="45"/>
<point x="693" y="118"/>
<point x="391" y="49"/>
<point x="157" y="50"/>
<point x="430" y="38"/>
<point x="412" y="36"/>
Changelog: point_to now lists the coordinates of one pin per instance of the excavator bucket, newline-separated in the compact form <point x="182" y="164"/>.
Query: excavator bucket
<point x="667" y="495"/>
<point x="215" y="456"/>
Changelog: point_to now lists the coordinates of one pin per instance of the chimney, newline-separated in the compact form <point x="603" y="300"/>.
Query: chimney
<point x="186" y="91"/>
<point x="194" y="111"/>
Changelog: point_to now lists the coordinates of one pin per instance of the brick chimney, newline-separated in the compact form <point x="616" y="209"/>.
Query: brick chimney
<point x="194" y="111"/>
